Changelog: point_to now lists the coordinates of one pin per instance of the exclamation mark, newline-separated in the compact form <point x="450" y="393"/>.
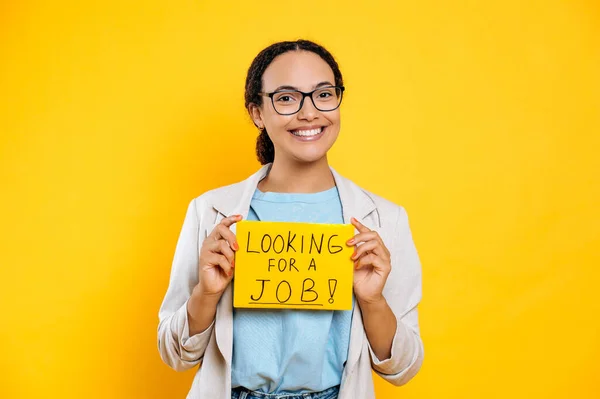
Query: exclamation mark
<point x="332" y="287"/>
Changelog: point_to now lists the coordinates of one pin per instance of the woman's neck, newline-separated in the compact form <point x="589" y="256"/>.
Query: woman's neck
<point x="292" y="177"/>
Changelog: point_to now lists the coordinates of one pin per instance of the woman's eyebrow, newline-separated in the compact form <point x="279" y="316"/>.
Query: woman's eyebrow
<point x="286" y="87"/>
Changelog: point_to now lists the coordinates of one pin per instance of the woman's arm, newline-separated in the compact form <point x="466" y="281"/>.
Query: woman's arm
<point x="179" y="343"/>
<point x="380" y="325"/>
<point x="201" y="311"/>
<point x="403" y="294"/>
<point x="389" y="313"/>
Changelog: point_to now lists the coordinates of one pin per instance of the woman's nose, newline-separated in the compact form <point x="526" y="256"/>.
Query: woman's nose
<point x="308" y="110"/>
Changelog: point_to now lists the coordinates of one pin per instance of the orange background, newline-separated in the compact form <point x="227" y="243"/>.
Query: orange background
<point x="481" y="118"/>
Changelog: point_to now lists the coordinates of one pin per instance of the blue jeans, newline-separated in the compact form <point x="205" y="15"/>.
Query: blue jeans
<point x="243" y="393"/>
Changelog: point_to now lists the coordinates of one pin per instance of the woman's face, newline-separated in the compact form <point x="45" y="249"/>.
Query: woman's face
<point x="307" y="135"/>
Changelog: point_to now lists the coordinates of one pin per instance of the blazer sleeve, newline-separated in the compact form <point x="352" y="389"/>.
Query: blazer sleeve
<point x="177" y="349"/>
<point x="403" y="294"/>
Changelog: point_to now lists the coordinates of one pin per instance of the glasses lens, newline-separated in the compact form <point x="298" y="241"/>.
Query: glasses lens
<point x="287" y="102"/>
<point x="327" y="98"/>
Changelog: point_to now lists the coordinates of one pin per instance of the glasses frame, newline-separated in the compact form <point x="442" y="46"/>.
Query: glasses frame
<point x="304" y="95"/>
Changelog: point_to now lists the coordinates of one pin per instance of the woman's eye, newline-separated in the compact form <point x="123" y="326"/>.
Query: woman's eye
<point x="285" y="98"/>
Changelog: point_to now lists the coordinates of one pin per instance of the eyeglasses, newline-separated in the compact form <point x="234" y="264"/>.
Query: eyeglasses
<point x="289" y="102"/>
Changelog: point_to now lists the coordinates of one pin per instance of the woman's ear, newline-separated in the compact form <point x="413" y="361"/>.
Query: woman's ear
<point x="256" y="116"/>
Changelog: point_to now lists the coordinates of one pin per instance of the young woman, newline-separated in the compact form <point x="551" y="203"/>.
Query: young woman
<point x="293" y="94"/>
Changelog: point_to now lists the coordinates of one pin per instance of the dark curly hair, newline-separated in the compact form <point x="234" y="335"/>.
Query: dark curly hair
<point x="265" y="151"/>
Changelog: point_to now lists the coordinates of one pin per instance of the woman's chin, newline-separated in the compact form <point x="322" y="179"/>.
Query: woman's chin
<point x="308" y="152"/>
<point x="312" y="157"/>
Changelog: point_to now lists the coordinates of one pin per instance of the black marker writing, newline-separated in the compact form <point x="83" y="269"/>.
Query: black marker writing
<point x="280" y="245"/>
<point x="306" y="289"/>
<point x="312" y="241"/>
<point x="289" y="287"/>
<point x="290" y="240"/>
<point x="329" y="246"/>
<point x="262" y="289"/>
<point x="248" y="245"/>
<point x="332" y="286"/>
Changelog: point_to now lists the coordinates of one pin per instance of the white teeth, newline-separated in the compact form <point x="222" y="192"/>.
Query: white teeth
<point x="312" y="132"/>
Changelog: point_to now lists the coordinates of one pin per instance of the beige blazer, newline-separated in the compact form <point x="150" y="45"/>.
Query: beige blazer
<point x="211" y="349"/>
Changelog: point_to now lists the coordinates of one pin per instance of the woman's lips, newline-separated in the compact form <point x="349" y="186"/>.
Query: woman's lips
<point x="309" y="138"/>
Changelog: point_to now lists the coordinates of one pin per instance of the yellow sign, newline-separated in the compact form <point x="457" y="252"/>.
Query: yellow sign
<point x="293" y="265"/>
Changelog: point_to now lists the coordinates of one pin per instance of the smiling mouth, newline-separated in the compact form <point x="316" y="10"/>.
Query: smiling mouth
<point x="307" y="132"/>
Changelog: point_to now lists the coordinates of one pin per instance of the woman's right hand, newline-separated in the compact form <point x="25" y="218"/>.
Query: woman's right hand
<point x="217" y="259"/>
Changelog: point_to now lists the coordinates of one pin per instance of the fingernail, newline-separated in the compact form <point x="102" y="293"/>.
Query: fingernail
<point x="354" y="255"/>
<point x="351" y="241"/>
<point x="236" y="246"/>
<point x="232" y="264"/>
<point x="230" y="273"/>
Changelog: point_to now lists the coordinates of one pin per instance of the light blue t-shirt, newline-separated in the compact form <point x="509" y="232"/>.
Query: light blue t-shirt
<point x="288" y="350"/>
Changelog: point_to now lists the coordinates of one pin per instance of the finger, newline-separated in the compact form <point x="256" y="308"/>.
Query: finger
<point x="222" y="247"/>
<point x="364" y="229"/>
<point x="359" y="226"/>
<point x="228" y="221"/>
<point x="366" y="260"/>
<point x="371" y="260"/>
<point x="220" y="261"/>
<point x="222" y="231"/>
<point x="363" y="237"/>
<point x="372" y="246"/>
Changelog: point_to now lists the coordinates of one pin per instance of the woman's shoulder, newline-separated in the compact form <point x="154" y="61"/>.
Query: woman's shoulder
<point x="384" y="205"/>
<point x="228" y="196"/>
<point x="221" y="191"/>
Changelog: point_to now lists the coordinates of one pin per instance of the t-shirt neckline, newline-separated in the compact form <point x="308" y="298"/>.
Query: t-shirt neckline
<point x="320" y="196"/>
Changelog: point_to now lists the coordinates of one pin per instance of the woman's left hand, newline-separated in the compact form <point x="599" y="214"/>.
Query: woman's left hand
<point x="372" y="264"/>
